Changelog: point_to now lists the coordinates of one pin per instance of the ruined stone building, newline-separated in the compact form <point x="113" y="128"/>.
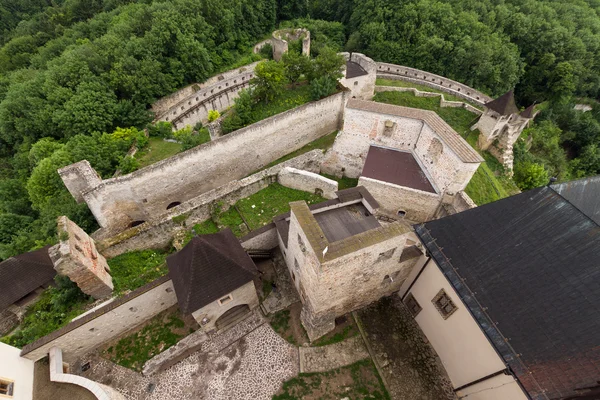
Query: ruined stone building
<point x="213" y="277"/>
<point x="500" y="125"/>
<point x="509" y="296"/>
<point x="410" y="160"/>
<point x="341" y="258"/>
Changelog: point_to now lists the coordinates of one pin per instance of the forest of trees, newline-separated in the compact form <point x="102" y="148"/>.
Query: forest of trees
<point x="77" y="77"/>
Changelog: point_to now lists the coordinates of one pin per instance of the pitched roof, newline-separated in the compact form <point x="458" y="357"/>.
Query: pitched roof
<point x="207" y="268"/>
<point x="528" y="112"/>
<point x="22" y="274"/>
<point x="396" y="166"/>
<point x="354" y="70"/>
<point x="583" y="194"/>
<point x="448" y="135"/>
<point x="527" y="268"/>
<point x="504" y="105"/>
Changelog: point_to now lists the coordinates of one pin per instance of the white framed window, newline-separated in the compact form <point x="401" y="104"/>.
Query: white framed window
<point x="225" y="300"/>
<point x="7" y="388"/>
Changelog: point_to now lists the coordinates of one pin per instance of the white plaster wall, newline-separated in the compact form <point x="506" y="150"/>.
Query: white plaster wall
<point x="307" y="181"/>
<point x="145" y="193"/>
<point x="111" y="324"/>
<point x="501" y="387"/>
<point x="465" y="352"/>
<point x="419" y="206"/>
<point x="245" y="294"/>
<point x="17" y="369"/>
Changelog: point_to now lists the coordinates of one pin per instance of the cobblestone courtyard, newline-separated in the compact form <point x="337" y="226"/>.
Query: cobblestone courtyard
<point x="229" y="367"/>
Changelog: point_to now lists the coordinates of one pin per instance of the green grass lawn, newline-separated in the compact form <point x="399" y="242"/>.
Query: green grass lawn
<point x="422" y="88"/>
<point x="260" y="208"/>
<point x="156" y="150"/>
<point x="489" y="182"/>
<point x="157" y="335"/>
<point x="136" y="268"/>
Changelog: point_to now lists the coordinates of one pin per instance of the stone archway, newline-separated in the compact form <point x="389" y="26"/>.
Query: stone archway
<point x="232" y="316"/>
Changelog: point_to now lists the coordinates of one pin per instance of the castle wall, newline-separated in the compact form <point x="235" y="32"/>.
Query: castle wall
<point x="443" y="102"/>
<point x="191" y="104"/>
<point x="418" y="205"/>
<point x="308" y="182"/>
<point x="280" y="39"/>
<point x="392" y="71"/>
<point x="363" y="128"/>
<point x="83" y="335"/>
<point x="146" y="193"/>
<point x="159" y="232"/>
<point x="361" y="87"/>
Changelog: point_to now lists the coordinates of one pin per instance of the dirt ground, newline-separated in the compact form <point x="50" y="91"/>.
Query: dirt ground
<point x="43" y="389"/>
<point x="409" y="364"/>
<point x="357" y="381"/>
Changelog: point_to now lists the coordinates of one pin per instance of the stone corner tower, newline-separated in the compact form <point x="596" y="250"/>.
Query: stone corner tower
<point x="76" y="257"/>
<point x="500" y="125"/>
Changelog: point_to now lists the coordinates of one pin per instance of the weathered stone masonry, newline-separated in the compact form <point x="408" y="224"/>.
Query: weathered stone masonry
<point x="118" y="202"/>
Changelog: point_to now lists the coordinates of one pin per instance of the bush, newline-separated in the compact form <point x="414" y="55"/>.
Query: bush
<point x="322" y="87"/>
<point x="162" y="129"/>
<point x="128" y="165"/>
<point x="269" y="81"/>
<point x="266" y="51"/>
<point x="189" y="139"/>
<point x="530" y="175"/>
<point x="213" y="115"/>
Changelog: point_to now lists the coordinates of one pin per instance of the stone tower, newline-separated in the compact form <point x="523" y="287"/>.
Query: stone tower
<point x="76" y="257"/>
<point x="501" y="125"/>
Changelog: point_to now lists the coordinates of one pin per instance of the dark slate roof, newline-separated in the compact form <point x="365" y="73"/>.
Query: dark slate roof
<point x="528" y="268"/>
<point x="583" y="194"/>
<point x="354" y="70"/>
<point x="207" y="268"/>
<point x="396" y="166"/>
<point x="504" y="105"/>
<point x="528" y="112"/>
<point x="22" y="274"/>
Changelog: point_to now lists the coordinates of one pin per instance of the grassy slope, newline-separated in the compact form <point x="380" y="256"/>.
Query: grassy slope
<point x="157" y="150"/>
<point x="422" y="88"/>
<point x="488" y="184"/>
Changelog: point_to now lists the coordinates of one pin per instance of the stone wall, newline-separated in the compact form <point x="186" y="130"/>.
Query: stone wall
<point x="308" y="182"/>
<point x="118" y="202"/>
<point x="365" y="125"/>
<point x="192" y="103"/>
<point x="245" y="294"/>
<point x="418" y="206"/>
<point x="112" y="320"/>
<point x="264" y="238"/>
<point x="160" y="231"/>
<point x="280" y="39"/>
<point x="361" y="87"/>
<point x="392" y="71"/>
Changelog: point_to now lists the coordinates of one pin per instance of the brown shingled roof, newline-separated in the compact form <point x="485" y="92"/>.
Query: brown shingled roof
<point x="528" y="112"/>
<point x="448" y="135"/>
<point x="22" y="274"/>
<point x="207" y="268"/>
<point x="504" y="105"/>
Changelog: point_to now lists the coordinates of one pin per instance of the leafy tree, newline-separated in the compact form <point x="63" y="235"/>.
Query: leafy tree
<point x="269" y="80"/>
<point x="530" y="175"/>
<point x="322" y="87"/>
<point x="160" y="129"/>
<point x="128" y="165"/>
<point x="587" y="163"/>
<point x="45" y="183"/>
<point x="296" y="65"/>
<point x="328" y="64"/>
<point x="43" y="148"/>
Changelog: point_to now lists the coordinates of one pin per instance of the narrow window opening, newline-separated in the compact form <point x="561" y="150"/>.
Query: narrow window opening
<point x="173" y="204"/>
<point x="225" y="299"/>
<point x="136" y="223"/>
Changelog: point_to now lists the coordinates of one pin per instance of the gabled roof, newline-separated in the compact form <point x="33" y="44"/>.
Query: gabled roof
<point x="448" y="135"/>
<point x="208" y="268"/>
<point x="528" y="269"/>
<point x="504" y="105"/>
<point x="22" y="274"/>
<point x="528" y="112"/>
<point x="583" y="194"/>
<point x="354" y="70"/>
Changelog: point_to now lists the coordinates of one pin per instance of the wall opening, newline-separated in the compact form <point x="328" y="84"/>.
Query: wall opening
<point x="173" y="204"/>
<point x="232" y="316"/>
<point x="401" y="213"/>
<point x="136" y="223"/>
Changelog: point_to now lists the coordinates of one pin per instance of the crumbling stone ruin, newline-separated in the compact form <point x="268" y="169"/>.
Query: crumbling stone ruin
<point x="76" y="257"/>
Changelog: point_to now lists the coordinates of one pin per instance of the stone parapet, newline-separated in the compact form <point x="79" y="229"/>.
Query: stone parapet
<point x="308" y="182"/>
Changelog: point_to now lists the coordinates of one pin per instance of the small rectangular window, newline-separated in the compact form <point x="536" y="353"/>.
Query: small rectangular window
<point x="6" y="387"/>
<point x="444" y="304"/>
<point x="225" y="299"/>
<point x="412" y="305"/>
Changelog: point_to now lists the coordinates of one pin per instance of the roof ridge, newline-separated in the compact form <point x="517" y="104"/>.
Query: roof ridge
<point x="573" y="205"/>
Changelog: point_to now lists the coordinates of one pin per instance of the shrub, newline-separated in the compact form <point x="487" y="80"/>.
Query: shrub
<point x="269" y="80"/>
<point x="161" y="129"/>
<point x="128" y="165"/>
<point x="189" y="139"/>
<point x="530" y="175"/>
<point x="266" y="51"/>
<point x="322" y="87"/>
<point x="213" y="115"/>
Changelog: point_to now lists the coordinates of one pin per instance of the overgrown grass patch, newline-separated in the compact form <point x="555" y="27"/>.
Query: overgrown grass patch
<point x="136" y="268"/>
<point x="156" y="150"/>
<point x="157" y="335"/>
<point x="260" y="208"/>
<point x="347" y="331"/>
<point x="356" y="381"/>
<point x="422" y="88"/>
<point x="344" y="182"/>
<point x="323" y="143"/>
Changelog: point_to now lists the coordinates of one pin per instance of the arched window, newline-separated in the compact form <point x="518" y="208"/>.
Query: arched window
<point x="401" y="213"/>
<point x="173" y="204"/>
<point x="136" y="223"/>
